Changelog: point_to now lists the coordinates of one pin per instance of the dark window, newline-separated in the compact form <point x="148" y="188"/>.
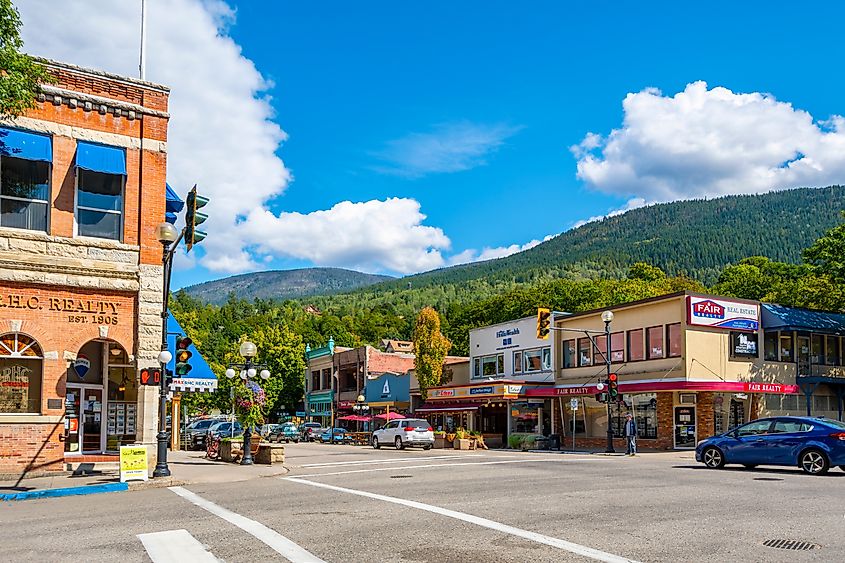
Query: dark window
<point x="770" y="346"/>
<point x="817" y="348"/>
<point x="635" y="345"/>
<point x="744" y="345"/>
<point x="786" y="348"/>
<point x="24" y="193"/>
<point x="673" y="340"/>
<point x="617" y="347"/>
<point x="585" y="356"/>
<point x="99" y="205"/>
<point x="832" y="350"/>
<point x="600" y="351"/>
<point x="654" y="342"/>
<point x="569" y="354"/>
<point x="517" y="362"/>
<point x="315" y="380"/>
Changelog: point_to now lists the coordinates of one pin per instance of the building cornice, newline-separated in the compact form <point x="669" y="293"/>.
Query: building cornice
<point x="95" y="73"/>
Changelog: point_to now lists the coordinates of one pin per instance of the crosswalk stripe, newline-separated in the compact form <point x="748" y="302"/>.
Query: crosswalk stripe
<point x="173" y="546"/>
<point x="279" y="543"/>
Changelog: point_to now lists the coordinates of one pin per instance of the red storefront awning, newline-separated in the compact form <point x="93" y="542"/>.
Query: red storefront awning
<point x="647" y="386"/>
<point x="458" y="407"/>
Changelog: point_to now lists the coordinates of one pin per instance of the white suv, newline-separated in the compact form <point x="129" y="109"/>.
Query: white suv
<point x="406" y="432"/>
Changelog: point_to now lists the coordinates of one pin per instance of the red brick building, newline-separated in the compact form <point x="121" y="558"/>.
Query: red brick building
<point x="82" y="191"/>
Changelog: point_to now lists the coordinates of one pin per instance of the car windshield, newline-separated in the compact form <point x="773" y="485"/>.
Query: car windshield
<point x="201" y="424"/>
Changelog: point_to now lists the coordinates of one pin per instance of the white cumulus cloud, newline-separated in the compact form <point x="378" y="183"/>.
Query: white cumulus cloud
<point x="371" y="236"/>
<point x="451" y="147"/>
<point x="491" y="253"/>
<point x="710" y="142"/>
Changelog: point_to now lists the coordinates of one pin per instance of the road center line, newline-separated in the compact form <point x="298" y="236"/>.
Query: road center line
<point x="173" y="546"/>
<point x="282" y="545"/>
<point x="402" y="460"/>
<point x="484" y="522"/>
<point x="440" y="465"/>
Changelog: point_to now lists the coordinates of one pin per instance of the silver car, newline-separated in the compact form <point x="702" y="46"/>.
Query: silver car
<point x="403" y="433"/>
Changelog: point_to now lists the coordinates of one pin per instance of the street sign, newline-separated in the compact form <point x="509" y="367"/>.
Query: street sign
<point x="573" y="404"/>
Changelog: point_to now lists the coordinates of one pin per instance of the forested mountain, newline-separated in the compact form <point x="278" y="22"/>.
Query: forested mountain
<point x="283" y="284"/>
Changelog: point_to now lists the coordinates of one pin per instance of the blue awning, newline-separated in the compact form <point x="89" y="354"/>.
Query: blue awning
<point x="173" y="204"/>
<point x="200" y="378"/>
<point x="779" y="317"/>
<point x="100" y="158"/>
<point x="23" y="144"/>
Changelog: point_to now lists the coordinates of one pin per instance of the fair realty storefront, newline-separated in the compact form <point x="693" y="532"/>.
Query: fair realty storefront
<point x="688" y="366"/>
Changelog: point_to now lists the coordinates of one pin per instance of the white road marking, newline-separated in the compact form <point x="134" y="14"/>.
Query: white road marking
<point x="283" y="546"/>
<point x="402" y="460"/>
<point x="545" y="460"/>
<point x="484" y="522"/>
<point x="173" y="546"/>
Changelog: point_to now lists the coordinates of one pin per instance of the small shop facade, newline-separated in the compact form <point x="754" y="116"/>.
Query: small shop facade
<point x="688" y="365"/>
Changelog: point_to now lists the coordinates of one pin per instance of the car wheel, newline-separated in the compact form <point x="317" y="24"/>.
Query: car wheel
<point x="713" y="458"/>
<point x="376" y="445"/>
<point x="814" y="462"/>
<point x="427" y="447"/>
<point x="749" y="465"/>
<point x="398" y="443"/>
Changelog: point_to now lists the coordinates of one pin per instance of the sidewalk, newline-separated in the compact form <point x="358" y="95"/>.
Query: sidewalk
<point x="185" y="468"/>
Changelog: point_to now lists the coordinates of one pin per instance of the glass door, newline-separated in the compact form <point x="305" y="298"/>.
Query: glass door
<point x="685" y="427"/>
<point x="92" y="420"/>
<point x="72" y="434"/>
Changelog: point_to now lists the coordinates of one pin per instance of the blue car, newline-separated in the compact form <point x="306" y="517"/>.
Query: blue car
<point x="341" y="435"/>
<point x="813" y="444"/>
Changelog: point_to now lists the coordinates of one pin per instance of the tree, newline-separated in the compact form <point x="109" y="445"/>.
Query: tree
<point x="646" y="272"/>
<point x="430" y="349"/>
<point x="20" y="75"/>
<point x="827" y="254"/>
<point x="284" y="353"/>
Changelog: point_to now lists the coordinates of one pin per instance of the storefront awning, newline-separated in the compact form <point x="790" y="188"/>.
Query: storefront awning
<point x="200" y="379"/>
<point x="458" y="407"/>
<point x="649" y="386"/>
<point x="173" y="204"/>
<point x="26" y="145"/>
<point x="100" y="158"/>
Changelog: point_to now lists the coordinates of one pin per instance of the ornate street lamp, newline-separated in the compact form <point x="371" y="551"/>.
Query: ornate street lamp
<point x="247" y="371"/>
<point x="362" y="408"/>
<point x="607" y="318"/>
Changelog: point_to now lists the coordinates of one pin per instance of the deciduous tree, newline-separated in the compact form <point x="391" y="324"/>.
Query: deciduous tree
<point x="430" y="348"/>
<point x="20" y="75"/>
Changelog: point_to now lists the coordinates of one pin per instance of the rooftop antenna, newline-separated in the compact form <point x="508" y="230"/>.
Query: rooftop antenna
<point x="142" y="63"/>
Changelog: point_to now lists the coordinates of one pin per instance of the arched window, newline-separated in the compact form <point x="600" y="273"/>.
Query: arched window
<point x="21" y="363"/>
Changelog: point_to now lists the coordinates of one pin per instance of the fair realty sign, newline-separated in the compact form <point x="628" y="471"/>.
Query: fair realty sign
<point x="723" y="313"/>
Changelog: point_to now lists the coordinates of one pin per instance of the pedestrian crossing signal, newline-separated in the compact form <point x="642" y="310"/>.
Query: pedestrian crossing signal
<point x="544" y="321"/>
<point x="150" y="376"/>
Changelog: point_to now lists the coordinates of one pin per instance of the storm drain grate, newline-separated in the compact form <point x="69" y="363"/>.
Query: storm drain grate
<point x="400" y="476"/>
<point x="794" y="545"/>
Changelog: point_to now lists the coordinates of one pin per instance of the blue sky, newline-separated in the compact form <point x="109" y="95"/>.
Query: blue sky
<point x="478" y="116"/>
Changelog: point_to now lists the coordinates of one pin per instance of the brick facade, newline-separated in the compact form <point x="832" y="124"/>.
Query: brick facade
<point x="63" y="290"/>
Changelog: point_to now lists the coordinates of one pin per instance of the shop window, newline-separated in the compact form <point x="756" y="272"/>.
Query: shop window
<point x="585" y="356"/>
<point x="617" y="347"/>
<point x="99" y="205"/>
<point x="817" y="350"/>
<point x="517" y="362"/>
<point x="786" y="348"/>
<point x="673" y="340"/>
<point x="654" y="342"/>
<point x="537" y="360"/>
<point x="832" y="351"/>
<point x="636" y="345"/>
<point x="569" y="354"/>
<point x="21" y="365"/>
<point x="790" y="402"/>
<point x="24" y="193"/>
<point x="524" y="417"/>
<point x="644" y="408"/>
<point x="770" y="346"/>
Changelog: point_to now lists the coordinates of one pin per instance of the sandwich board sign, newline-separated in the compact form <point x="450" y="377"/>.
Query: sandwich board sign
<point x="133" y="463"/>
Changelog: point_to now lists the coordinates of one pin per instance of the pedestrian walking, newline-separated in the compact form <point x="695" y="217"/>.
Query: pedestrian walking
<point x="631" y="434"/>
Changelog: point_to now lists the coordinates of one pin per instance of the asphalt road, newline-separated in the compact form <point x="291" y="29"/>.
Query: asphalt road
<point x="354" y="504"/>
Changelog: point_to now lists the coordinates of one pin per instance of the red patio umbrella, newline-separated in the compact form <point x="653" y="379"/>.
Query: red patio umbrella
<point x="389" y="416"/>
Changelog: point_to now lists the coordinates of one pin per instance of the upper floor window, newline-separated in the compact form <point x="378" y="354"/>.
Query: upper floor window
<point x="636" y="345"/>
<point x="617" y="347"/>
<point x="539" y="359"/>
<point x="99" y="190"/>
<point x="585" y="352"/>
<point x="654" y="342"/>
<point x="24" y="179"/>
<point x="315" y="380"/>
<point x="832" y="349"/>
<point x="487" y="366"/>
<point x="673" y="340"/>
<point x="569" y="354"/>
<point x="770" y="346"/>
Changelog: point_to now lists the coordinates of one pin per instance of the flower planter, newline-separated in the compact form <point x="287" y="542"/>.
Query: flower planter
<point x="462" y="444"/>
<point x="440" y="442"/>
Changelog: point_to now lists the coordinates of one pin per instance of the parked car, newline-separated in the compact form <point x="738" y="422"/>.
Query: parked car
<point x="225" y="429"/>
<point x="813" y="444"/>
<point x="403" y="433"/>
<point x="267" y="429"/>
<point x="196" y="431"/>
<point x="287" y="432"/>
<point x="341" y="435"/>
<point x="310" y="431"/>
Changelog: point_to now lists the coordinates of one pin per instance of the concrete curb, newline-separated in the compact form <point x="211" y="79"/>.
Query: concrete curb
<point x="66" y="492"/>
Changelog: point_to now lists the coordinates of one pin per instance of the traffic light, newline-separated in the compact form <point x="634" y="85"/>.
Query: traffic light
<point x="193" y="219"/>
<point x="544" y="320"/>
<point x="183" y="355"/>
<point x="613" y="387"/>
<point x="601" y="397"/>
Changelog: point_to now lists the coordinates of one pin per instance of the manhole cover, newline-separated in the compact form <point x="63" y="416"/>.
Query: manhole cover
<point x="794" y="545"/>
<point x="400" y="476"/>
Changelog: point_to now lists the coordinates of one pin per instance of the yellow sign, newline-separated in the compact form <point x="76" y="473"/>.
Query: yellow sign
<point x="133" y="463"/>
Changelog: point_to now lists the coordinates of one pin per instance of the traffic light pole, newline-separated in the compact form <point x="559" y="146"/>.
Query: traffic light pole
<point x="161" y="469"/>
<point x="609" y="449"/>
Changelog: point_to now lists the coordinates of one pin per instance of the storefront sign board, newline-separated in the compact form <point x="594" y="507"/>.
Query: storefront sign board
<point x="133" y="463"/>
<point x="723" y="313"/>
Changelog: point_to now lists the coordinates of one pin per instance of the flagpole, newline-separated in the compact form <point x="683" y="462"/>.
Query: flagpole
<point x="142" y="64"/>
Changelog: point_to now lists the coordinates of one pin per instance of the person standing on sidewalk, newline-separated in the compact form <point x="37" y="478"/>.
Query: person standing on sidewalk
<point x="631" y="434"/>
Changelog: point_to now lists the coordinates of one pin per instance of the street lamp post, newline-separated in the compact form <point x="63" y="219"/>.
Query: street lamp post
<point x="607" y="317"/>
<point x="361" y="407"/>
<point x="248" y="371"/>
<point x="167" y="235"/>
